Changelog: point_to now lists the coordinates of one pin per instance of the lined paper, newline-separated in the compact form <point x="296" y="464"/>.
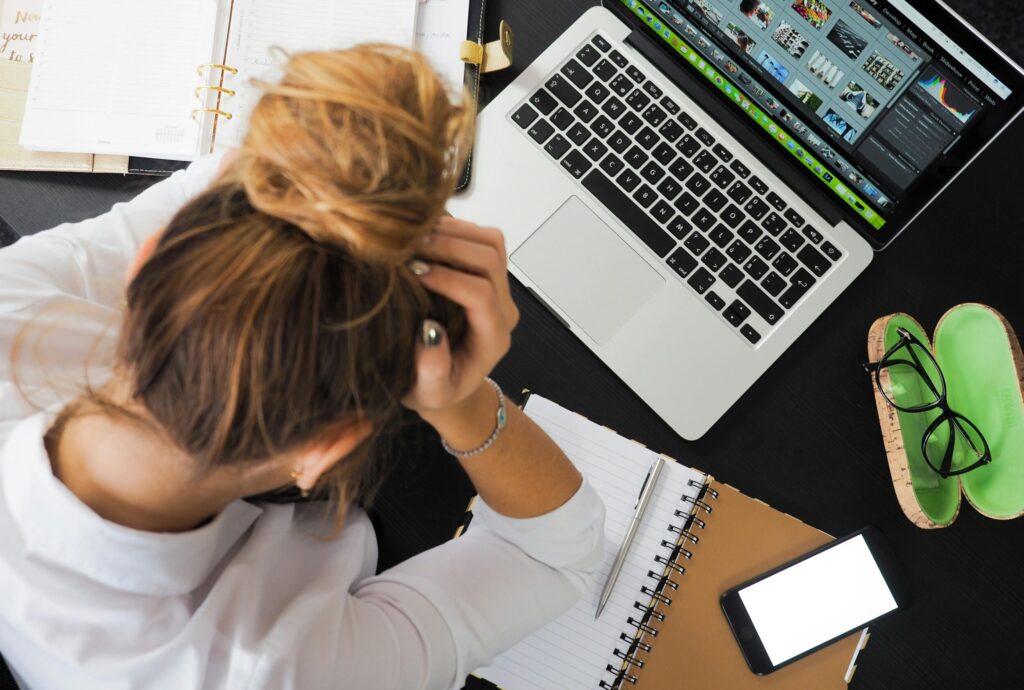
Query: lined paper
<point x="440" y="31"/>
<point x="117" y="76"/>
<point x="260" y="27"/>
<point x="572" y="652"/>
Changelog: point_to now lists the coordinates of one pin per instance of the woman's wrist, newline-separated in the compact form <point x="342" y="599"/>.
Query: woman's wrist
<point x="469" y="423"/>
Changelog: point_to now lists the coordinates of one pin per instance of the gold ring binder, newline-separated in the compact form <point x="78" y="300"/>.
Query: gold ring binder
<point x="220" y="89"/>
<point x="226" y="68"/>
<point x="216" y="111"/>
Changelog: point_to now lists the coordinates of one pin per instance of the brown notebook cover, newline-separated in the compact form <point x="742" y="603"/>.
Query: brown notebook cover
<point x="694" y="647"/>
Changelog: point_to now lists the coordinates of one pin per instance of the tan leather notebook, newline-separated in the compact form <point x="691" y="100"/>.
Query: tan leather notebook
<point x="663" y="626"/>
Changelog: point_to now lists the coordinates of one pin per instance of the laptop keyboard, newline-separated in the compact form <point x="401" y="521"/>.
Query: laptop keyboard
<point x="727" y="235"/>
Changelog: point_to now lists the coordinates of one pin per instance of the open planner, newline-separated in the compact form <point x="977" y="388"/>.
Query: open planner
<point x="172" y="78"/>
<point x="663" y="626"/>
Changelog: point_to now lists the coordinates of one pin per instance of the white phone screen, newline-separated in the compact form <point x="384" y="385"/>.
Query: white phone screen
<point x="811" y="602"/>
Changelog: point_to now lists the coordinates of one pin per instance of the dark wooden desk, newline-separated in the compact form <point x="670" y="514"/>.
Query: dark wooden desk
<point x="805" y="438"/>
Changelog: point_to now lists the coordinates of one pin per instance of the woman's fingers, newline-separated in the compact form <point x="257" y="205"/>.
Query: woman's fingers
<point x="489" y="330"/>
<point x="434" y="386"/>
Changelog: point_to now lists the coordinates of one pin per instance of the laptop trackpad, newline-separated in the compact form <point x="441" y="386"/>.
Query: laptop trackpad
<point x="587" y="270"/>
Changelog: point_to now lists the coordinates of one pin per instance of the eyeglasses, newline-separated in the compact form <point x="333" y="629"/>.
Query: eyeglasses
<point x="909" y="379"/>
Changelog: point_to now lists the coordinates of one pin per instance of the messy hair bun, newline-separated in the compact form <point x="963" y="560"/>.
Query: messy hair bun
<point x="361" y="148"/>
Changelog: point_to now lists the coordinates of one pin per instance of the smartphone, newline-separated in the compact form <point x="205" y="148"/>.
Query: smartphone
<point x="815" y="600"/>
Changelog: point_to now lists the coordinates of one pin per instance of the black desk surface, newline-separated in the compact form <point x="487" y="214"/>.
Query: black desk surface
<point x="805" y="438"/>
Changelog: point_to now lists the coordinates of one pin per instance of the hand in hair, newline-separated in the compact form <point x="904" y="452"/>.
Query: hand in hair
<point x="468" y="265"/>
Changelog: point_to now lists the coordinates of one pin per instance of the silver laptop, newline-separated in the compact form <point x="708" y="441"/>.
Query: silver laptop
<point x="688" y="184"/>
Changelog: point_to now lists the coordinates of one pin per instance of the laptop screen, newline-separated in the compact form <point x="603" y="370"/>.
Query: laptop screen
<point x="875" y="102"/>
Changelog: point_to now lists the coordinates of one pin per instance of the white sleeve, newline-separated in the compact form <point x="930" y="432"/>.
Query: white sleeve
<point x="437" y="617"/>
<point x="70" y="281"/>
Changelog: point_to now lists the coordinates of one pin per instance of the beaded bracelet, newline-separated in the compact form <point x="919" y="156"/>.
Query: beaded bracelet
<point x="501" y="418"/>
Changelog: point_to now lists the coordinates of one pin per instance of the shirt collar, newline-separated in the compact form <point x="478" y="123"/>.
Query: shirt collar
<point x="57" y="527"/>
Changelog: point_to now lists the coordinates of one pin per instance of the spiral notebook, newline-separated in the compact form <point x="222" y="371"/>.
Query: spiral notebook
<point x="171" y="79"/>
<point x="663" y="626"/>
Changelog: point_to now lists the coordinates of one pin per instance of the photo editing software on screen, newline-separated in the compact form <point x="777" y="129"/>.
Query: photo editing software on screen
<point x="867" y="94"/>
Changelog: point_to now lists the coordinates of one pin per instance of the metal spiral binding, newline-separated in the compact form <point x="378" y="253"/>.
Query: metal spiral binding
<point x="657" y="593"/>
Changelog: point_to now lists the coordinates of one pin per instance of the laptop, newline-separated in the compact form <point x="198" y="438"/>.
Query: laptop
<point x="688" y="184"/>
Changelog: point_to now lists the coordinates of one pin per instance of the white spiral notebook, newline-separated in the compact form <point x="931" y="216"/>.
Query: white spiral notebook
<point x="662" y="627"/>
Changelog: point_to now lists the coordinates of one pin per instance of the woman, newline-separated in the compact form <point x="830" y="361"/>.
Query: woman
<point x="271" y="330"/>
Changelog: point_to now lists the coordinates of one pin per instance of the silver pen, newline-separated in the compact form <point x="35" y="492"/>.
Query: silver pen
<point x="646" y="491"/>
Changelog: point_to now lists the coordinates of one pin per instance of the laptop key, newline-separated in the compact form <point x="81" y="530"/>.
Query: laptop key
<point x="774" y="284"/>
<point x="722" y="176"/>
<point x="669" y="188"/>
<point x="577" y="74"/>
<point x="629" y="180"/>
<point x="664" y="153"/>
<point x="732" y="216"/>
<point x="671" y="130"/>
<point x="776" y="201"/>
<point x="791" y="240"/>
<point x="698" y="184"/>
<point x="619" y="142"/>
<point x="671" y="106"/>
<point x="597" y="92"/>
<point x="651" y="172"/>
<point x="715" y="200"/>
<point x="706" y="161"/>
<point x="687" y="203"/>
<point x="680" y="169"/>
<point x="682" y="262"/>
<point x="831" y="251"/>
<point x="586" y="111"/>
<point x="721" y="235"/>
<point x="635" y="74"/>
<point x="540" y="131"/>
<point x="755" y="268"/>
<point x="654" y="115"/>
<point x="737" y="313"/>
<point x="577" y="164"/>
<point x="637" y="100"/>
<point x="543" y="101"/>
<point x="714" y="300"/>
<point x="767" y="248"/>
<point x="562" y="118"/>
<point x="623" y="208"/>
<point x="578" y="133"/>
<point x="784" y="264"/>
<point x="652" y="89"/>
<point x="662" y="212"/>
<point x="605" y="70"/>
<point x="612" y="165"/>
<point x="795" y="218"/>
<point x="750" y="334"/>
<point x="813" y="235"/>
<point x="814" y="260"/>
<point x="631" y="123"/>
<point x="595" y="150"/>
<point x="679" y="227"/>
<point x="705" y="137"/>
<point x="588" y="55"/>
<point x="795" y="291"/>
<point x="738" y="252"/>
<point x="636" y="157"/>
<point x="696" y="243"/>
<point x="756" y="208"/>
<point x="647" y="138"/>
<point x="722" y="152"/>
<point x="618" y="58"/>
<point x="701" y="280"/>
<point x="621" y="84"/>
<point x="758" y="184"/>
<point x="740" y="169"/>
<point x="644" y="196"/>
<point x="750" y="232"/>
<point x="714" y="259"/>
<point x="557" y="146"/>
<point x="731" y="275"/>
<point x="704" y="219"/>
<point x="687" y="120"/>
<point x="613" y="107"/>
<point x="601" y="42"/>
<point x="688" y="146"/>
<point x="760" y="302"/>
<point x="563" y="90"/>
<point x="602" y="126"/>
<point x="774" y="224"/>
<point x="524" y="116"/>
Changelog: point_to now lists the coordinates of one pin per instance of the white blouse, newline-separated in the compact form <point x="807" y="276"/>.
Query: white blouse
<point x="253" y="599"/>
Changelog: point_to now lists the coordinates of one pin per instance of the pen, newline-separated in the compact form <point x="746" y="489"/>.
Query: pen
<point x="638" y="513"/>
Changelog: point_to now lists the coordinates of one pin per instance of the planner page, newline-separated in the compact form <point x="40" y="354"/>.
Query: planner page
<point x="440" y="31"/>
<point x="119" y="76"/>
<point x="264" y="32"/>
<point x="572" y="652"/>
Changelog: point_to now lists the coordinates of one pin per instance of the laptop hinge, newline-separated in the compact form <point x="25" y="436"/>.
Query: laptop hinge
<point x="735" y="122"/>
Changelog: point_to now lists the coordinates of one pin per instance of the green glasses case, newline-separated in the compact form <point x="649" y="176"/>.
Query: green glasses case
<point x="981" y="359"/>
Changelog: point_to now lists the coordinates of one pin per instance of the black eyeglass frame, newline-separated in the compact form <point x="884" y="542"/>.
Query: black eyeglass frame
<point x="950" y="416"/>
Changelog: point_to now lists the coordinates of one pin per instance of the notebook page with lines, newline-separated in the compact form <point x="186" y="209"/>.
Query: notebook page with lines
<point x="574" y="651"/>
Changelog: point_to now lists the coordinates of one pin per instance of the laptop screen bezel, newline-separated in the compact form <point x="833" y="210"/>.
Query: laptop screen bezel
<point x="932" y="181"/>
